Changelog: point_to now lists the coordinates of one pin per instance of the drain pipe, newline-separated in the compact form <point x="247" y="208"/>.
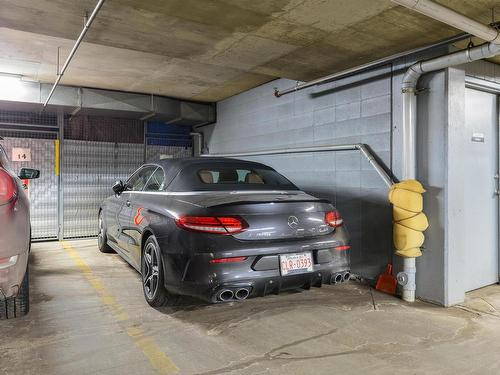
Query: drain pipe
<point x="450" y="17"/>
<point x="371" y="65"/>
<point x="409" y="90"/>
<point x="197" y="143"/>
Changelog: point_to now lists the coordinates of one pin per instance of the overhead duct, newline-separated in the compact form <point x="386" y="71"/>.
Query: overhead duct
<point x="28" y="96"/>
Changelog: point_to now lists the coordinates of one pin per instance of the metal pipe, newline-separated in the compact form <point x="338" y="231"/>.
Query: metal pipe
<point x="73" y="50"/>
<point x="388" y="180"/>
<point x="198" y="144"/>
<point x="370" y="65"/>
<point x="449" y="16"/>
<point x="409" y="89"/>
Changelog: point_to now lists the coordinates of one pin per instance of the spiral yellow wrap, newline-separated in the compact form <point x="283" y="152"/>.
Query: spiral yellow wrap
<point x="409" y="220"/>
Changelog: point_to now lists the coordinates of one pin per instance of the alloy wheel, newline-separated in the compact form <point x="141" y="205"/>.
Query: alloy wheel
<point x="150" y="276"/>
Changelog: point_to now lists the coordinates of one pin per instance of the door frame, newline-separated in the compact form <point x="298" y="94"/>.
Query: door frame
<point x="492" y="88"/>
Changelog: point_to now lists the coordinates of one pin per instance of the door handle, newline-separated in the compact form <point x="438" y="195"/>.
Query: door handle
<point x="127" y="203"/>
<point x="497" y="179"/>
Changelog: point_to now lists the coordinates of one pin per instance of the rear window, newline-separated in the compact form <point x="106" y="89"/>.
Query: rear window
<point x="233" y="176"/>
<point x="224" y="176"/>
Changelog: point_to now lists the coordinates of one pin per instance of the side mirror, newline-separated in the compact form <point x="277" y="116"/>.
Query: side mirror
<point x="29" y="174"/>
<point x="118" y="187"/>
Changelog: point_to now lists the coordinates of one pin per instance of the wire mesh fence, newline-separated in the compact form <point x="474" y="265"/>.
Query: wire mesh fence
<point x="43" y="192"/>
<point x="95" y="152"/>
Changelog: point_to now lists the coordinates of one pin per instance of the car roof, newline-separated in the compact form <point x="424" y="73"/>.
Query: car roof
<point x="173" y="166"/>
<point x="182" y="163"/>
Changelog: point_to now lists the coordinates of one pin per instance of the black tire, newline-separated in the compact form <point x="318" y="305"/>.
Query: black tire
<point x="102" y="237"/>
<point x="154" y="287"/>
<point x="18" y="306"/>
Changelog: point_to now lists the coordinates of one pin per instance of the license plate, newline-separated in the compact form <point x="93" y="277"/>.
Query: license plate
<point x="292" y="264"/>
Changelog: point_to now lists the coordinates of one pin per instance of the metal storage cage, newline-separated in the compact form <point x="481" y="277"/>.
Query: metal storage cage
<point x="94" y="152"/>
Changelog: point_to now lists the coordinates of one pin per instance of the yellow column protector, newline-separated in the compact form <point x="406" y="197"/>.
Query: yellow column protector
<point x="406" y="199"/>
<point x="416" y="222"/>
<point x="406" y="238"/>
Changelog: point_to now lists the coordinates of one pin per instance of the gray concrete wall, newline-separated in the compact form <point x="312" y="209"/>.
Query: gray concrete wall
<point x="349" y="111"/>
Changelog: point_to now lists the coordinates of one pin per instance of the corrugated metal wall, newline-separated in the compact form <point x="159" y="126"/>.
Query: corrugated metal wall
<point x="96" y="151"/>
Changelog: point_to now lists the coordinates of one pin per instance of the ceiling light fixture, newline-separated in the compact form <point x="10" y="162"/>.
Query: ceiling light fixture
<point x="11" y="86"/>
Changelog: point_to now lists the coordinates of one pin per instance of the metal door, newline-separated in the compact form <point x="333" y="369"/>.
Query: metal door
<point x="43" y="192"/>
<point x="480" y="174"/>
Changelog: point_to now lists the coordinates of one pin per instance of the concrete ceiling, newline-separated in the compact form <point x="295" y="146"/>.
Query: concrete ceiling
<point x="208" y="50"/>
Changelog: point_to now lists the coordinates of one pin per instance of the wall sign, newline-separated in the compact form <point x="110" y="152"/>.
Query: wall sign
<point x="478" y="137"/>
<point x="21" y="154"/>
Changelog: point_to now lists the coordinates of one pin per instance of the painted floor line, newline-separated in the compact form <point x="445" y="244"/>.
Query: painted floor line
<point x="161" y="362"/>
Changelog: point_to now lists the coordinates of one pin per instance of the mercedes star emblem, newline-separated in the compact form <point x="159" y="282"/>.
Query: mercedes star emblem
<point x="293" y="222"/>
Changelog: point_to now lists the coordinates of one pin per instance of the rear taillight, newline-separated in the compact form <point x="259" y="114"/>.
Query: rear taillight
<point x="334" y="219"/>
<point x="212" y="224"/>
<point x="229" y="260"/>
<point x="8" y="187"/>
<point x="343" y="248"/>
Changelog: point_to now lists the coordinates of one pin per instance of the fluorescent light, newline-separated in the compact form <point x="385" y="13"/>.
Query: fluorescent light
<point x="11" y="86"/>
<point x="11" y="76"/>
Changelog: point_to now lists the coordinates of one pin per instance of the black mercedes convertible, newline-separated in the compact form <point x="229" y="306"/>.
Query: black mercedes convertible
<point x="222" y="230"/>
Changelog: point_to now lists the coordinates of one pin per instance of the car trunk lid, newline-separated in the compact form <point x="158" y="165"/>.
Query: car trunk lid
<point x="272" y="215"/>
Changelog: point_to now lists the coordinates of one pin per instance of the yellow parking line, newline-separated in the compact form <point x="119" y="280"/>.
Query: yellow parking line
<point x="158" y="359"/>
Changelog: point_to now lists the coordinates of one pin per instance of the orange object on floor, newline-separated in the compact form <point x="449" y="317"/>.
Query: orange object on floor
<point x="386" y="282"/>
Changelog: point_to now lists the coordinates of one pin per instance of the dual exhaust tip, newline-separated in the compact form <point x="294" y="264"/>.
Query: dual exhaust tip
<point x="340" y="277"/>
<point x="226" y="295"/>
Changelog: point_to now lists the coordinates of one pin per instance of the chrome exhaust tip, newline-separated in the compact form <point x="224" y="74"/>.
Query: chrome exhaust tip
<point x="336" y="278"/>
<point x="226" y="295"/>
<point x="242" y="293"/>
<point x="346" y="276"/>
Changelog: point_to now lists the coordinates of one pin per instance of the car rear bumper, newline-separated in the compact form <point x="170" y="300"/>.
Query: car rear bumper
<point x="12" y="277"/>
<point x="207" y="281"/>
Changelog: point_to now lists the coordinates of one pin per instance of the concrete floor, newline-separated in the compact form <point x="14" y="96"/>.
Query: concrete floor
<point x="89" y="316"/>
